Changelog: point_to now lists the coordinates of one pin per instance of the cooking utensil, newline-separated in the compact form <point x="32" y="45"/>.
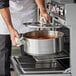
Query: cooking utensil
<point x="41" y="42"/>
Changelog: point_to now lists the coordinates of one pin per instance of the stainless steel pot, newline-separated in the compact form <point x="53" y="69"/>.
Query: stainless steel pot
<point x="43" y="42"/>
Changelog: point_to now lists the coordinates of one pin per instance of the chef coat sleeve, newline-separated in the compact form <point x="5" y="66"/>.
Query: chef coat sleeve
<point x="4" y="3"/>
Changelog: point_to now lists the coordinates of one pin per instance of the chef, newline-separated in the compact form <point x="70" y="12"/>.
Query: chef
<point x="13" y="13"/>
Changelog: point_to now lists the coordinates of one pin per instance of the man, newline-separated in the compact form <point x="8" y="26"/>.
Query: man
<point x="11" y="25"/>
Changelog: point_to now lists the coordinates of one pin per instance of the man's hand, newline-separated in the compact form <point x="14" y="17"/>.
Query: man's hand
<point x="43" y="13"/>
<point x="7" y="18"/>
<point x="46" y="16"/>
<point x="13" y="35"/>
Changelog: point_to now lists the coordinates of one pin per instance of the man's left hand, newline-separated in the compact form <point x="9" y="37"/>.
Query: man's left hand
<point x="46" y="16"/>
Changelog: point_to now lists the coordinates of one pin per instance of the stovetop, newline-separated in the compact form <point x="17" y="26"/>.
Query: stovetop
<point x="28" y="64"/>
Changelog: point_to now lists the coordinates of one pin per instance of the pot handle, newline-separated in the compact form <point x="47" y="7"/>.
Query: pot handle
<point x="43" y="21"/>
<point x="20" y="41"/>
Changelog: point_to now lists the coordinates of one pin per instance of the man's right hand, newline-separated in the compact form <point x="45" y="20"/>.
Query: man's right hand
<point x="5" y="13"/>
<point x="13" y="35"/>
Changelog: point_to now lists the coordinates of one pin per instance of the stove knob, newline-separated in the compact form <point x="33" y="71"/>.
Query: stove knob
<point x="61" y="11"/>
<point x="53" y="9"/>
<point x="57" y="11"/>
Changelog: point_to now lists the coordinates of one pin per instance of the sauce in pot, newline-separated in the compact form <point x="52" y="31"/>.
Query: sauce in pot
<point x="42" y="36"/>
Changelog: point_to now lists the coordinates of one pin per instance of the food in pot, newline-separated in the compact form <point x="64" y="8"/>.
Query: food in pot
<point x="41" y="35"/>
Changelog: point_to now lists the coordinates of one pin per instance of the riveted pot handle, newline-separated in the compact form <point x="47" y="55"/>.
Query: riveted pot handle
<point x="20" y="41"/>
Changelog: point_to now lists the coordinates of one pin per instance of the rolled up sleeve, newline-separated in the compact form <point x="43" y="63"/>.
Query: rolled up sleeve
<point x="4" y="3"/>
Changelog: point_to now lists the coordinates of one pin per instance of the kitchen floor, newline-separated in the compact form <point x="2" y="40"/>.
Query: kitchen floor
<point x="15" y="52"/>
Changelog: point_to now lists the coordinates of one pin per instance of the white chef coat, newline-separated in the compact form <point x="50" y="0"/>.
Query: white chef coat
<point x="21" y="11"/>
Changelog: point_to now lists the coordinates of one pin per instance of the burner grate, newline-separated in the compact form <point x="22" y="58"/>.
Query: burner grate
<point x="58" y="55"/>
<point x="29" y="65"/>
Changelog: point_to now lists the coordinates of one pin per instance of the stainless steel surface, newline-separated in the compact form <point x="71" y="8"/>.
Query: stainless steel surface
<point x="62" y="1"/>
<point x="16" y="51"/>
<point x="71" y="19"/>
<point x="43" y="42"/>
<point x="38" y="25"/>
<point x="59" y="55"/>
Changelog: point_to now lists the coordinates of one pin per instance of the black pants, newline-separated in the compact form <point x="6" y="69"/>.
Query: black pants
<point x="5" y="53"/>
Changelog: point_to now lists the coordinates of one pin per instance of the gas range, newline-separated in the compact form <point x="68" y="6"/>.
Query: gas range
<point x="28" y="65"/>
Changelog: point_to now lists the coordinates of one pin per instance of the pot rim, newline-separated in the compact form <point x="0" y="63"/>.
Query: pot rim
<point x="57" y="32"/>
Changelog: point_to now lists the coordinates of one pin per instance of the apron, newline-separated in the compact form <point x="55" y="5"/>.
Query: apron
<point x="21" y="11"/>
